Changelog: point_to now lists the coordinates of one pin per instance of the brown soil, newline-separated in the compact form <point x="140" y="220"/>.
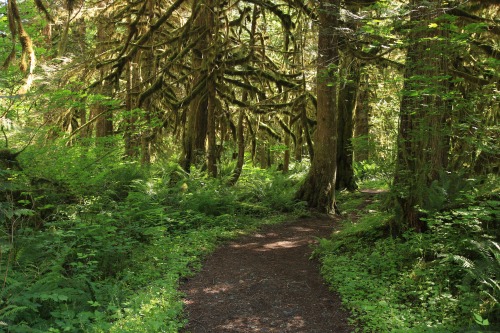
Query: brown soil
<point x="266" y="282"/>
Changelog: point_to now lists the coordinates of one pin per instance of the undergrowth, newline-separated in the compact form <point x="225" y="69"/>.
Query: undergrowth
<point x="92" y="243"/>
<point x="443" y="280"/>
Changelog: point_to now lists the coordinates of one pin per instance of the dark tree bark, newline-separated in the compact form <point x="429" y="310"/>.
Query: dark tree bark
<point x="132" y="91"/>
<point x="240" y="132"/>
<point x="211" y="124"/>
<point x="104" y="122"/>
<point x="305" y="129"/>
<point x="362" y="121"/>
<point x="346" y="105"/>
<point x="141" y="74"/>
<point x="100" y="111"/>
<point x="195" y="134"/>
<point x="286" y="157"/>
<point x="318" y="189"/>
<point x="422" y="137"/>
<point x="241" y="149"/>
<point x="148" y="77"/>
<point x="299" y="143"/>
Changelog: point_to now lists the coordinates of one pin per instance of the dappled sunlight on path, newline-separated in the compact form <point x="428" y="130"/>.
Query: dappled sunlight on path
<point x="265" y="283"/>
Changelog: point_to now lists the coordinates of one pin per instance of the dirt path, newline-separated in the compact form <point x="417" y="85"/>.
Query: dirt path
<point x="266" y="283"/>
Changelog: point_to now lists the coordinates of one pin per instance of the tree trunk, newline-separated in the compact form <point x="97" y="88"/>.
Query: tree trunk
<point x="130" y="136"/>
<point x="240" y="132"/>
<point x="212" y="144"/>
<point x="28" y="57"/>
<point x="63" y="42"/>
<point x="346" y="105"/>
<point x="148" y="77"/>
<point x="361" y="122"/>
<point x="305" y="126"/>
<point x="299" y="142"/>
<point x="286" y="157"/>
<point x="195" y="135"/>
<point x="100" y="111"/>
<point x="318" y="189"/>
<point x="241" y="150"/>
<point x="422" y="137"/>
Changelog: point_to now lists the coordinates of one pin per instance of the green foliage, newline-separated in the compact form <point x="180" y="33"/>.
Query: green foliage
<point x="98" y="244"/>
<point x="270" y="189"/>
<point x="444" y="280"/>
<point x="371" y="175"/>
<point x="92" y="242"/>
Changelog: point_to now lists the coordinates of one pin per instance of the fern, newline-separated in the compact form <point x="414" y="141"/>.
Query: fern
<point x="10" y="312"/>
<point x="466" y="263"/>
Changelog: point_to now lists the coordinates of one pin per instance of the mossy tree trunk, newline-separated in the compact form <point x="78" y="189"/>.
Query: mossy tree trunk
<point x="28" y="58"/>
<point x="195" y="134"/>
<point x="362" y="121"/>
<point x="346" y="105"/>
<point x="148" y="76"/>
<point x="318" y="190"/>
<point x="240" y="131"/>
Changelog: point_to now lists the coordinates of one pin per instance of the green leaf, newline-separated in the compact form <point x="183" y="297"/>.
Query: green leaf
<point x="480" y="321"/>
<point x="94" y="304"/>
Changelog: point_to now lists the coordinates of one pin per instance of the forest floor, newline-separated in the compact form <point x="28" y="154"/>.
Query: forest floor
<point x="266" y="282"/>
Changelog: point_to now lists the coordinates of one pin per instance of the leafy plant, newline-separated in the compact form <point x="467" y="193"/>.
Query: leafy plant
<point x="114" y="238"/>
<point x="444" y="280"/>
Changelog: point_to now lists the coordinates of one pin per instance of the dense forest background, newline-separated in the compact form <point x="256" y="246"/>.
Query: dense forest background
<point x="137" y="134"/>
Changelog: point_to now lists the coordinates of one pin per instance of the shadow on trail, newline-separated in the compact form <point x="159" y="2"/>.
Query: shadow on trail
<point x="265" y="283"/>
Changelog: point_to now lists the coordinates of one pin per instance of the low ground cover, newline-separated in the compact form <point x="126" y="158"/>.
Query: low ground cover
<point x="442" y="280"/>
<point x="101" y="246"/>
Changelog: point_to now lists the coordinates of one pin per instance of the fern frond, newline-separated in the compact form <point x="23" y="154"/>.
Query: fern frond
<point x="11" y="311"/>
<point x="494" y="284"/>
<point x="466" y="263"/>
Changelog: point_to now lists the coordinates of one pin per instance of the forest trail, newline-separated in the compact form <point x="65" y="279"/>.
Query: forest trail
<point x="265" y="282"/>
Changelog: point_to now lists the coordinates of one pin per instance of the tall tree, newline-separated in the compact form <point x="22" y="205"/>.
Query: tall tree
<point x="361" y="120"/>
<point x="350" y="74"/>
<point x="318" y="190"/>
<point x="28" y="57"/>
<point x="346" y="105"/>
<point x="240" y="159"/>
<point x="100" y="110"/>
<point x="423" y="140"/>
<point x="195" y="135"/>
